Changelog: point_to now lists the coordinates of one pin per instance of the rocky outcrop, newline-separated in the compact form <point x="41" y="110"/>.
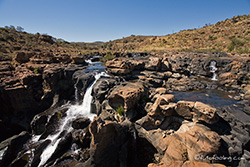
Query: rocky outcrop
<point x="81" y="123"/>
<point x="154" y="64"/>
<point x="191" y="140"/>
<point x="10" y="147"/>
<point x="165" y="105"/>
<point x="82" y="81"/>
<point x="160" y="105"/>
<point x="23" y="57"/>
<point x="183" y="65"/>
<point x="101" y="90"/>
<point x="127" y="96"/>
<point x="107" y="139"/>
<point x="119" y="67"/>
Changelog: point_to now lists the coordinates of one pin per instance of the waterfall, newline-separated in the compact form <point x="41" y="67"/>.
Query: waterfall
<point x="213" y="70"/>
<point x="74" y="111"/>
<point x="76" y="91"/>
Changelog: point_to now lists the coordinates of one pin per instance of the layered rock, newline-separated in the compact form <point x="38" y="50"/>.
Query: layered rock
<point x="127" y="97"/>
<point x="10" y="147"/>
<point x="197" y="111"/>
<point x="119" y="67"/>
<point x="107" y="139"/>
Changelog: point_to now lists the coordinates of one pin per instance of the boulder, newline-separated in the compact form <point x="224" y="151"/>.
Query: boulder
<point x="228" y="79"/>
<point x="38" y="124"/>
<point x="127" y="96"/>
<point x="204" y="112"/>
<point x="10" y="147"/>
<point x="192" y="140"/>
<point x="154" y="64"/>
<point x="138" y="64"/>
<point x="78" y="59"/>
<point x="82" y="137"/>
<point x="51" y="76"/>
<point x="155" y="129"/>
<point x="23" y="57"/>
<point x="165" y="66"/>
<point x="47" y="38"/>
<point x="100" y="90"/>
<point x="82" y="81"/>
<point x="52" y="123"/>
<point x="81" y="123"/>
<point x="119" y="66"/>
<point x="107" y="139"/>
<point x="185" y="109"/>
<point x="160" y="104"/>
<point x="62" y="147"/>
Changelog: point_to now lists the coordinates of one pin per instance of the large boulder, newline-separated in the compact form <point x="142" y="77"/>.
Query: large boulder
<point x="160" y="104"/>
<point x="196" y="111"/>
<point x="78" y="59"/>
<point x="82" y="81"/>
<point x="228" y="79"/>
<point x="204" y="112"/>
<point x="185" y="109"/>
<point x="127" y="97"/>
<point x="51" y="77"/>
<point x="10" y="147"/>
<point x="155" y="129"/>
<point x="191" y="140"/>
<point x="119" y="66"/>
<point x="100" y="90"/>
<point x="80" y="123"/>
<point x="154" y="64"/>
<point x="106" y="144"/>
<point x="23" y="57"/>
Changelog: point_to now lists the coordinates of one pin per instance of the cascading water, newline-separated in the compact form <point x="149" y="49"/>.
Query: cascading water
<point x="213" y="70"/>
<point x="72" y="113"/>
<point x="76" y="90"/>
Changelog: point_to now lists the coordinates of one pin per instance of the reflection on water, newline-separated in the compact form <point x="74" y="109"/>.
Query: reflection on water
<point x="215" y="98"/>
<point x="95" y="67"/>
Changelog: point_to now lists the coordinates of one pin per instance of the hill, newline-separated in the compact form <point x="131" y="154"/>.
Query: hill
<point x="13" y="40"/>
<point x="231" y="35"/>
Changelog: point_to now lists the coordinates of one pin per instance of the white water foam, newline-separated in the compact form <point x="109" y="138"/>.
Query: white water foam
<point x="213" y="70"/>
<point x="73" y="112"/>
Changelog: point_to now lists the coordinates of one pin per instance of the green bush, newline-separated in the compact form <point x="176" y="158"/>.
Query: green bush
<point x="108" y="56"/>
<point x="235" y="43"/>
<point x="35" y="70"/>
<point x="120" y="110"/>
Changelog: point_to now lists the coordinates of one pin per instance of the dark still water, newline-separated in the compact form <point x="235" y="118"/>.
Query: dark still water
<point x="214" y="98"/>
<point x="95" y="67"/>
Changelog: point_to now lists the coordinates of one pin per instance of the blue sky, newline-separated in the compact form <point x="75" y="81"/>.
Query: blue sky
<point x="104" y="20"/>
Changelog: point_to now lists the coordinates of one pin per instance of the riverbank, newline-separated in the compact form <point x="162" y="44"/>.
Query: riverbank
<point x="146" y="103"/>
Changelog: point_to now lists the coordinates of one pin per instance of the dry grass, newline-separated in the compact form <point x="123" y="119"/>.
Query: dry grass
<point x="230" y="35"/>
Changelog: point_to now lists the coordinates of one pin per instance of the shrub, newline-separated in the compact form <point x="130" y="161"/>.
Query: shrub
<point x="211" y="38"/>
<point x="235" y="43"/>
<point x="108" y="56"/>
<point x="120" y="110"/>
<point x="35" y="70"/>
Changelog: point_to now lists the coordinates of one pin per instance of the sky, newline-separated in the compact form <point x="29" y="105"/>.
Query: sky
<point x="104" y="20"/>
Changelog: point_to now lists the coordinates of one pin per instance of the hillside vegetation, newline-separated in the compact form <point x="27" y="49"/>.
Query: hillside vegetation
<point x="230" y="35"/>
<point x="13" y="40"/>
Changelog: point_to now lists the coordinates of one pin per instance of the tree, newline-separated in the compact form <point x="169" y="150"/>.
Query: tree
<point x="19" y="28"/>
